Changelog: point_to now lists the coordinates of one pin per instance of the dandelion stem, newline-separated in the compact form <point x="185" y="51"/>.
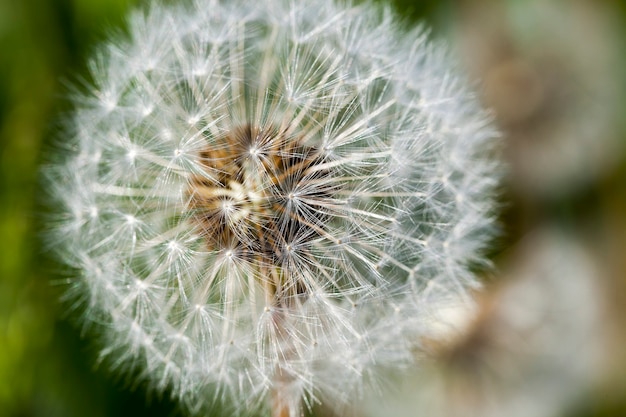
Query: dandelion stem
<point x="279" y="407"/>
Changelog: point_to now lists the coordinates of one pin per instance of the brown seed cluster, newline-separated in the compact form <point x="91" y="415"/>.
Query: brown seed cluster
<point x="263" y="196"/>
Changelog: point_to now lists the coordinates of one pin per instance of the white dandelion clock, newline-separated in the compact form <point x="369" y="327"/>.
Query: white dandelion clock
<point x="268" y="202"/>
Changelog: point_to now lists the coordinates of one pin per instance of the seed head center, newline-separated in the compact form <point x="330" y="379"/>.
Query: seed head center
<point x="246" y="201"/>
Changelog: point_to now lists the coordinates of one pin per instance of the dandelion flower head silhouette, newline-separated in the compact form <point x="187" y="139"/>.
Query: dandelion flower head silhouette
<point x="266" y="203"/>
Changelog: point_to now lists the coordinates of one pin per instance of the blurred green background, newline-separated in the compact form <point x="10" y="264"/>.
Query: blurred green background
<point x="48" y="369"/>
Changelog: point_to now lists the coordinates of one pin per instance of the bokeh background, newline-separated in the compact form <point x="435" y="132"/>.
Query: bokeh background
<point x="554" y="73"/>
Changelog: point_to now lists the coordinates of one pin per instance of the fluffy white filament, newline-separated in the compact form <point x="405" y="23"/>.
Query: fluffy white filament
<point x="268" y="202"/>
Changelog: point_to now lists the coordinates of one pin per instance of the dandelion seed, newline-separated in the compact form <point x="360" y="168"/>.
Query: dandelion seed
<point x="304" y="198"/>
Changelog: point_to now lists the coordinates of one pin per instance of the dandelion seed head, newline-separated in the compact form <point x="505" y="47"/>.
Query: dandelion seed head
<point x="273" y="201"/>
